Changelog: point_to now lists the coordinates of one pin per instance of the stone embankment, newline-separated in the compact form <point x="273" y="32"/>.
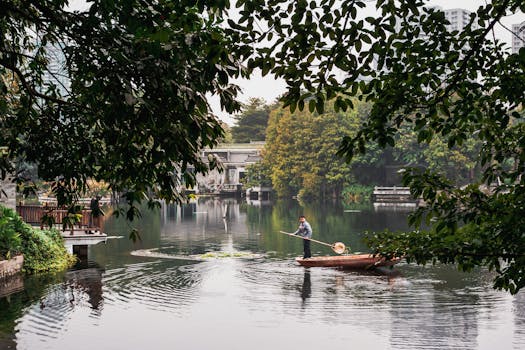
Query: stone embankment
<point x="11" y="267"/>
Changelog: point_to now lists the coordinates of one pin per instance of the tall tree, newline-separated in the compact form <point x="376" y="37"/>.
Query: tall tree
<point x="301" y="152"/>
<point x="251" y="123"/>
<point x="418" y="74"/>
<point x="133" y="110"/>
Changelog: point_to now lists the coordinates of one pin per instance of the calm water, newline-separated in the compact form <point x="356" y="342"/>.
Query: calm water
<point x="249" y="294"/>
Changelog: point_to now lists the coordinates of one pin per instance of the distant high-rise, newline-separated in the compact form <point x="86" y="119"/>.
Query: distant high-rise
<point x="458" y="18"/>
<point x="56" y="72"/>
<point x="518" y="36"/>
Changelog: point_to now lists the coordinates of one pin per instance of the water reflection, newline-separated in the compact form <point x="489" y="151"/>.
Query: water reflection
<point x="86" y="283"/>
<point x="306" y="289"/>
<point x="262" y="301"/>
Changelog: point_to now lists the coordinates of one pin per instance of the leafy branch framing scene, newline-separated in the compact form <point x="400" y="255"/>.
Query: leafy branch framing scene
<point x="133" y="112"/>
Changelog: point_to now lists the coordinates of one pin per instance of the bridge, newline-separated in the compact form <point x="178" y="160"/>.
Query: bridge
<point x="234" y="157"/>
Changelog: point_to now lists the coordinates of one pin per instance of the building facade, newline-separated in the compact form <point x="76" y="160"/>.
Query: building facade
<point x="458" y="18"/>
<point x="518" y="36"/>
<point x="234" y="159"/>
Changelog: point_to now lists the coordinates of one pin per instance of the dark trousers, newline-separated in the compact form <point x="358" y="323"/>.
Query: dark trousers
<point x="306" y="249"/>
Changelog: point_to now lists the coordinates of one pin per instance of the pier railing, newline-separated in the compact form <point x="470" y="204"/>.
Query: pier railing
<point x="393" y="194"/>
<point x="32" y="214"/>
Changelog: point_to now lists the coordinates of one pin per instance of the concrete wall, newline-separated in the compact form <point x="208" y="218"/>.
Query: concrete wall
<point x="11" y="267"/>
<point x="9" y="188"/>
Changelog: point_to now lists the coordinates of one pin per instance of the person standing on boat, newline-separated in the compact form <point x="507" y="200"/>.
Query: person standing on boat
<point x="305" y="231"/>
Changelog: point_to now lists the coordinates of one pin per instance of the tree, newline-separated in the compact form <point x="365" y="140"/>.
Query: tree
<point x="435" y="82"/>
<point x="133" y="110"/>
<point x="252" y="122"/>
<point x="300" y="152"/>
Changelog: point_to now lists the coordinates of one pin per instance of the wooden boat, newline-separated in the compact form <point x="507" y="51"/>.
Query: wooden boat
<point x="355" y="261"/>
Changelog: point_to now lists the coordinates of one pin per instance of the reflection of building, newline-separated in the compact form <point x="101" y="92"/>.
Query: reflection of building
<point x="234" y="158"/>
<point x="518" y="36"/>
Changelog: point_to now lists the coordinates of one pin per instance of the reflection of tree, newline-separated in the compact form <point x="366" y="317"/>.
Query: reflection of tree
<point x="13" y="306"/>
<point x="86" y="282"/>
<point x="117" y="249"/>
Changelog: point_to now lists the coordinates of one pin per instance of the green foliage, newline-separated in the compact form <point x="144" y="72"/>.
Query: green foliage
<point x="445" y="87"/>
<point x="227" y="138"/>
<point x="10" y="242"/>
<point x="300" y="152"/>
<point x="258" y="174"/>
<point x="252" y="122"/>
<point x="43" y="250"/>
<point x="357" y="193"/>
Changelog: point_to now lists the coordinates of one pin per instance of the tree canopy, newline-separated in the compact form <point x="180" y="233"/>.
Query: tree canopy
<point x="133" y="110"/>
<point x="251" y="123"/>
<point x="300" y="152"/>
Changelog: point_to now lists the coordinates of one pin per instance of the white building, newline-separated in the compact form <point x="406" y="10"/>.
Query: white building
<point x="56" y="72"/>
<point x="518" y="36"/>
<point x="458" y="18"/>
<point x="234" y="159"/>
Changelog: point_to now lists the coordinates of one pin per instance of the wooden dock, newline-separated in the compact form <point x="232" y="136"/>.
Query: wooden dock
<point x="84" y="233"/>
<point x="393" y="196"/>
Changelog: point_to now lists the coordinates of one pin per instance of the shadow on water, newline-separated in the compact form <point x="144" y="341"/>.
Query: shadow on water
<point x="306" y="289"/>
<point x="13" y="305"/>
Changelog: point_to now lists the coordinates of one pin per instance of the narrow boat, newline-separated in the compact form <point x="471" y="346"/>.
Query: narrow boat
<point x="355" y="261"/>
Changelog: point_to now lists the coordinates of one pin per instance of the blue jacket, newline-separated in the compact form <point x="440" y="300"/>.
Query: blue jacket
<point x="304" y="230"/>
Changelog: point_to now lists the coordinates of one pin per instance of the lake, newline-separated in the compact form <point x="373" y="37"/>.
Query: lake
<point x="217" y="274"/>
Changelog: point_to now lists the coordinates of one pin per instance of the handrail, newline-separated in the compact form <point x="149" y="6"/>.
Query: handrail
<point x="32" y="214"/>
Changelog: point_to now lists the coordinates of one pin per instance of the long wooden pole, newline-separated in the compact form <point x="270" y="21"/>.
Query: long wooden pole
<point x="337" y="247"/>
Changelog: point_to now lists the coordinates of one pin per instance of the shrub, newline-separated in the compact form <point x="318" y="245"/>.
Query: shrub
<point x="10" y="241"/>
<point x="357" y="194"/>
<point x="43" y="250"/>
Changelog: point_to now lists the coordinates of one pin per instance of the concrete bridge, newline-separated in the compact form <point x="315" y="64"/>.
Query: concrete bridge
<point x="234" y="158"/>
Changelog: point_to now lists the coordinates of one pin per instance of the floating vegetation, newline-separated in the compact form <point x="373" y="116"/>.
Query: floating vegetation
<point x="154" y="253"/>
<point x="218" y="255"/>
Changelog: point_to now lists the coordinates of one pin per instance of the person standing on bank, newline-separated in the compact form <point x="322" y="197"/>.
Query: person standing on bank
<point x="305" y="231"/>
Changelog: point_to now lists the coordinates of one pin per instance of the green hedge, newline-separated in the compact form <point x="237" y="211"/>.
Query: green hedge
<point x="43" y="250"/>
<point x="357" y="194"/>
